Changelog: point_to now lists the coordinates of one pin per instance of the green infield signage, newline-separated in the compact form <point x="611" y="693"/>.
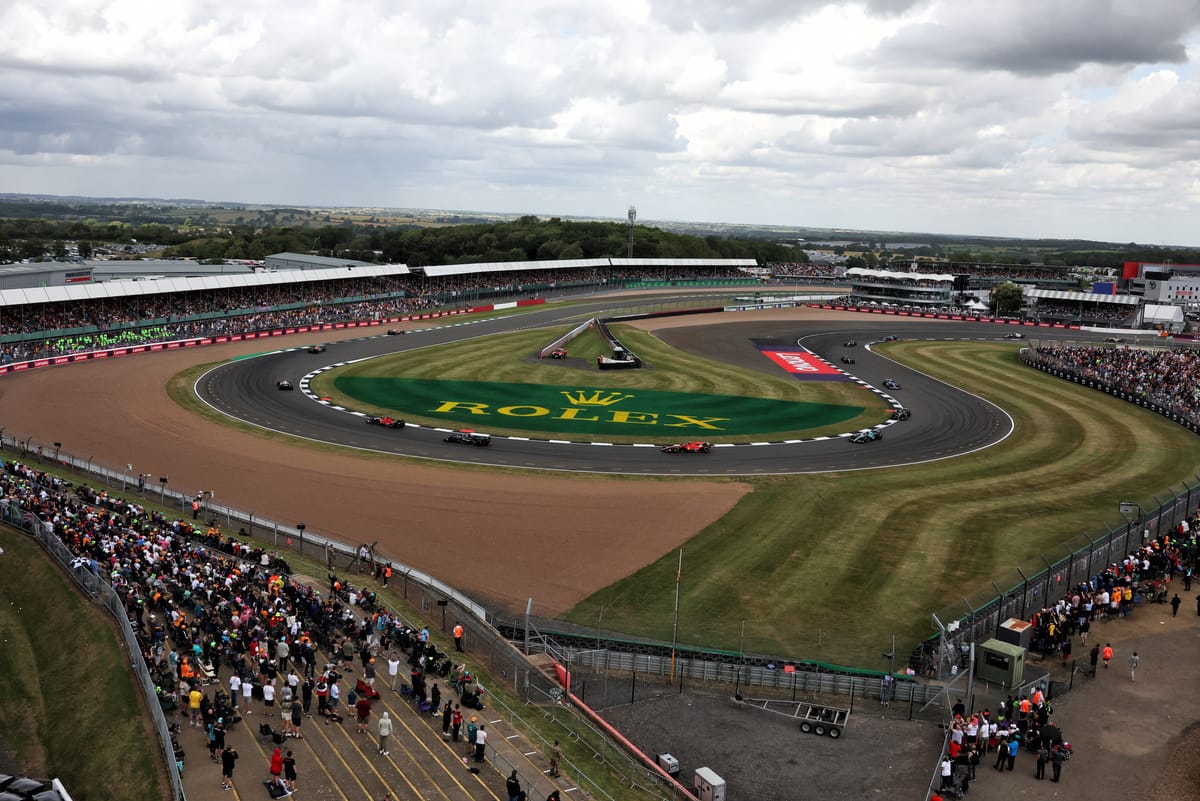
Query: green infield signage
<point x="562" y="409"/>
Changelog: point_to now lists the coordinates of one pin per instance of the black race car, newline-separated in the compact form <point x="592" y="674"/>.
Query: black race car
<point x="317" y="349"/>
<point x="1014" y="335"/>
<point x="889" y="338"/>
<point x="467" y="437"/>
<point x="900" y="413"/>
<point x="847" y="360"/>
<point x="394" y="332"/>
<point x="284" y="384"/>
<point x="1114" y="339"/>
<point x="853" y="343"/>
<point x="890" y="384"/>
<point x="688" y="447"/>
<point x="386" y="422"/>
<point x="870" y="435"/>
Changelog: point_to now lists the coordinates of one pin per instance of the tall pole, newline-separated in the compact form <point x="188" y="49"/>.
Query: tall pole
<point x="675" y="627"/>
<point x="632" y="220"/>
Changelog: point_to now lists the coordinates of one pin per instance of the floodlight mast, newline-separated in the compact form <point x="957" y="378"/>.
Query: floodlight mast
<point x="632" y="221"/>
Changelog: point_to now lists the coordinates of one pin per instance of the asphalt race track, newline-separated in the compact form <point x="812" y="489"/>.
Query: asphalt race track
<point x="945" y="421"/>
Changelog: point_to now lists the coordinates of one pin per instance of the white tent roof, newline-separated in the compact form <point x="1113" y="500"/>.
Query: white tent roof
<point x="1156" y="313"/>
<point x="1083" y="297"/>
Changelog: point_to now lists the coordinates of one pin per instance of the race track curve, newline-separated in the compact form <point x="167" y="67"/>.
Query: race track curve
<point x="945" y="422"/>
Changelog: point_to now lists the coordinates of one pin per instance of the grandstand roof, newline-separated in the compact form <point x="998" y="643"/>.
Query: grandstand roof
<point x="1156" y="313"/>
<point x="891" y="275"/>
<point x="127" y="289"/>
<point x="683" y="262"/>
<point x="316" y="261"/>
<point x="1082" y="297"/>
<point x="438" y="270"/>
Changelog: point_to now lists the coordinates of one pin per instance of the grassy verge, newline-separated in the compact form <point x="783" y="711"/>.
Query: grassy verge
<point x="71" y="709"/>
<point x="831" y="566"/>
<point x="510" y="358"/>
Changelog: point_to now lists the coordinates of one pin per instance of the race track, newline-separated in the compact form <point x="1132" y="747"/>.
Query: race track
<point x="945" y="421"/>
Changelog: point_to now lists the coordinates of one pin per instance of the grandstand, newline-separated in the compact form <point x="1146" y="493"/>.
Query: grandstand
<point x="1083" y="308"/>
<point x="908" y="290"/>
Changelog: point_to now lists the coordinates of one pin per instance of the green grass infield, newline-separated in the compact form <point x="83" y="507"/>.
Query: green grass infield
<point x="496" y="384"/>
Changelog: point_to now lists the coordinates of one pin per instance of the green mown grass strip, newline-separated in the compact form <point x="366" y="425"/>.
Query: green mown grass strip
<point x="70" y="708"/>
<point x="830" y="566"/>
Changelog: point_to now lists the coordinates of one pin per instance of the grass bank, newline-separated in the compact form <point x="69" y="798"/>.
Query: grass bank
<point x="70" y="709"/>
<point x="831" y="566"/>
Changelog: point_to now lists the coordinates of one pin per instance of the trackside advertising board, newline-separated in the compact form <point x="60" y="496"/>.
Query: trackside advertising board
<point x="800" y="362"/>
<point x="562" y="409"/>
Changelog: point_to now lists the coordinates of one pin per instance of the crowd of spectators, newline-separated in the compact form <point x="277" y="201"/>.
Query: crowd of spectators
<point x="1167" y="378"/>
<point x="1146" y="575"/>
<point x="178" y="315"/>
<point x="806" y="269"/>
<point x="1096" y="312"/>
<point x="204" y="605"/>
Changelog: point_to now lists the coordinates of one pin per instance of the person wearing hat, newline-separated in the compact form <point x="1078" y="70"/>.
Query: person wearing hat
<point x="472" y="733"/>
<point x="513" y="787"/>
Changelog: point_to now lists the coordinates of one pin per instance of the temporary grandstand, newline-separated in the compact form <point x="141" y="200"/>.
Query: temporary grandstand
<point x="1084" y="308"/>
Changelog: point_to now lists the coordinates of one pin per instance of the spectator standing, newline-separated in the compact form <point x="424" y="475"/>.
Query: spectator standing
<point x="362" y="711"/>
<point x="276" y="765"/>
<point x="446" y="713"/>
<point x="268" y="691"/>
<point x="1056" y="760"/>
<point x="555" y="758"/>
<point x="513" y="787"/>
<point x="456" y="721"/>
<point x="472" y="732"/>
<point x="229" y="759"/>
<point x="1107" y="653"/>
<point x="393" y="668"/>
<point x="458" y="636"/>
<point x="1133" y="666"/>
<point x="385" y="731"/>
<point x="235" y="689"/>
<point x="947" y="769"/>
<point x="1094" y="656"/>
<point x="480" y="743"/>
<point x="1175" y="602"/>
<point x="289" y="771"/>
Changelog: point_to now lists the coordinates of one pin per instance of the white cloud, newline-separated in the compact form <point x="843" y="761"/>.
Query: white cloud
<point x="1063" y="117"/>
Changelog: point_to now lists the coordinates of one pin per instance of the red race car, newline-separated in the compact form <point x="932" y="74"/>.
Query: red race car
<point x="558" y="353"/>
<point x="688" y="447"/>
<point x="386" y="422"/>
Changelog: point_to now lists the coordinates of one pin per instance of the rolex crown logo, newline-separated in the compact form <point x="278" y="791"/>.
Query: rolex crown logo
<point x="597" y="397"/>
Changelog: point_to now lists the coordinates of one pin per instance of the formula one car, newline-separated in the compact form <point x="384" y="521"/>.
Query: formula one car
<point x="847" y="360"/>
<point x="285" y="384"/>
<point x="890" y="384"/>
<point x="558" y="353"/>
<point x="869" y="435"/>
<point x="1014" y="335"/>
<point x="900" y="413"/>
<point x="853" y="343"/>
<point x="468" y="437"/>
<point x="386" y="422"/>
<point x="317" y="349"/>
<point x="1114" y="339"/>
<point x="392" y="332"/>
<point x="888" y="338"/>
<point x="688" y="447"/>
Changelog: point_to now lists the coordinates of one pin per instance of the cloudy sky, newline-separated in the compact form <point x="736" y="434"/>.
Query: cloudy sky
<point x="1065" y="118"/>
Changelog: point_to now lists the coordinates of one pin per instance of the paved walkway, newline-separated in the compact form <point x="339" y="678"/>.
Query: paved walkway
<point x="1125" y="734"/>
<point x="335" y="762"/>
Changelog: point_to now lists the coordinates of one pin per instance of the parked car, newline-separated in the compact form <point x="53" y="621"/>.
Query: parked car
<point x="468" y="437"/>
